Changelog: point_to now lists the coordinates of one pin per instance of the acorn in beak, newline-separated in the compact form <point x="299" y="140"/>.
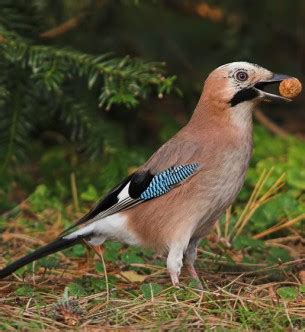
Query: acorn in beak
<point x="267" y="96"/>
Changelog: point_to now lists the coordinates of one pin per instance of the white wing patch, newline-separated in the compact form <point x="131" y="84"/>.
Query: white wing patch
<point x="124" y="201"/>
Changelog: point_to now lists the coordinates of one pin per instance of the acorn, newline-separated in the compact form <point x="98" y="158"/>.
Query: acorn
<point x="290" y="88"/>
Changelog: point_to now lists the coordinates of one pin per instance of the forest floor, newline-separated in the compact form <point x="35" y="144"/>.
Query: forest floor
<point x="140" y="296"/>
<point x="130" y="289"/>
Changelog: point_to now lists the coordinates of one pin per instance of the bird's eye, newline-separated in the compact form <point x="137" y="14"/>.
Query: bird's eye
<point x="241" y="76"/>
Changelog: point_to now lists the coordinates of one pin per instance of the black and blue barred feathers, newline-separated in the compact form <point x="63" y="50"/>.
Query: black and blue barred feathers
<point x="164" y="181"/>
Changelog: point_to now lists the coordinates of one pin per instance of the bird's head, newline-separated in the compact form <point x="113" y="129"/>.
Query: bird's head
<point x="242" y="83"/>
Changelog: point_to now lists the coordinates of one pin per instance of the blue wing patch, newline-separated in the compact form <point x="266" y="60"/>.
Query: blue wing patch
<point x="164" y="181"/>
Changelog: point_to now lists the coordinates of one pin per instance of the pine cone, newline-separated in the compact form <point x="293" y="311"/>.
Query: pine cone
<point x="68" y="312"/>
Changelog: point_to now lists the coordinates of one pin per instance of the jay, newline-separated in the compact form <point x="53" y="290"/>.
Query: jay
<point x="174" y="199"/>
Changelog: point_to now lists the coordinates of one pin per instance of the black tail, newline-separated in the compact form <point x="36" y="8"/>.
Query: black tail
<point x="48" y="249"/>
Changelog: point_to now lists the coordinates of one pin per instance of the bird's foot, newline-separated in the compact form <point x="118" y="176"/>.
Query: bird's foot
<point x="175" y="279"/>
<point x="98" y="250"/>
<point x="195" y="276"/>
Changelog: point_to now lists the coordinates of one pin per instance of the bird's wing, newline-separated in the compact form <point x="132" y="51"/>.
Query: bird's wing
<point x="168" y="167"/>
<point x="137" y="188"/>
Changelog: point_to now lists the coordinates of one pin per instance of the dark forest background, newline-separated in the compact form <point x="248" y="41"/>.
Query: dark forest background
<point x="93" y="87"/>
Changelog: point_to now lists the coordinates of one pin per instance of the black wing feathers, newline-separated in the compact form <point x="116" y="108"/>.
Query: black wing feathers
<point x="106" y="202"/>
<point x="139" y="183"/>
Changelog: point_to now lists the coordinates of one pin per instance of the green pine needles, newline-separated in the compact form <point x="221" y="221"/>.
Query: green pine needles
<point x="40" y="81"/>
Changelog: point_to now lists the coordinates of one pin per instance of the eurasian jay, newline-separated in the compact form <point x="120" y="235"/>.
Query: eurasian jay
<point x="174" y="199"/>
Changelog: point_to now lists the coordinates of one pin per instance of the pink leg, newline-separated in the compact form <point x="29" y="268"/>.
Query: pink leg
<point x="174" y="263"/>
<point x="192" y="272"/>
<point x="189" y="259"/>
<point x="194" y="275"/>
<point x="175" y="279"/>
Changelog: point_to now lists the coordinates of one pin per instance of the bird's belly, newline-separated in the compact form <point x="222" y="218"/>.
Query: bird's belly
<point x="190" y="209"/>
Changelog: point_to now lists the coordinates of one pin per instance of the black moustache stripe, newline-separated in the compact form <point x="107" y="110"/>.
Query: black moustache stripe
<point x="244" y="95"/>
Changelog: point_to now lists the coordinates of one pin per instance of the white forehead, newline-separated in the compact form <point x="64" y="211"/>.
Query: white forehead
<point x="234" y="66"/>
<point x="241" y="65"/>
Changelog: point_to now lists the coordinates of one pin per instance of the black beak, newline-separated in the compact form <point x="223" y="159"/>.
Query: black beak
<point x="276" y="78"/>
